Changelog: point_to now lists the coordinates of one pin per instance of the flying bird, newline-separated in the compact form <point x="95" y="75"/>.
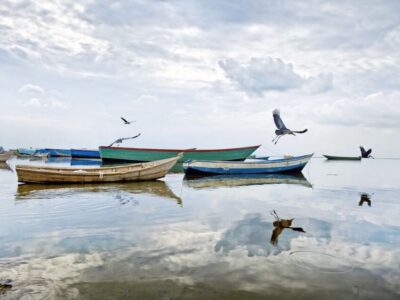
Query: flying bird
<point x="365" y="154"/>
<point x="282" y="129"/>
<point x="126" y="122"/>
<point x="119" y="141"/>
<point x="279" y="226"/>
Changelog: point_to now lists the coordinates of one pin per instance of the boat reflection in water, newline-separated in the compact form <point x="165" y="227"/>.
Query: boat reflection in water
<point x="122" y="191"/>
<point x="85" y="162"/>
<point x="216" y="181"/>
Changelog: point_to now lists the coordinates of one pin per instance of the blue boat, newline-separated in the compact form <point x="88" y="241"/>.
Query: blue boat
<point x="292" y="164"/>
<point x="55" y="152"/>
<point x="85" y="153"/>
<point x="25" y="152"/>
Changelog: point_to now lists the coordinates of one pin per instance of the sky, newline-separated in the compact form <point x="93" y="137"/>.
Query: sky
<point x="204" y="74"/>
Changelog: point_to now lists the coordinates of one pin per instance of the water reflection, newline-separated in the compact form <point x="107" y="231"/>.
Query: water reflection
<point x="280" y="225"/>
<point x="123" y="191"/>
<point x="85" y="162"/>
<point x="365" y="198"/>
<point x="199" y="182"/>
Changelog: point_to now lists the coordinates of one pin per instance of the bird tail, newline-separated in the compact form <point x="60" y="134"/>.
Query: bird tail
<point x="301" y="131"/>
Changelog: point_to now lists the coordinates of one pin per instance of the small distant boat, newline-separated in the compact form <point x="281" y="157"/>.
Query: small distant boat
<point x="85" y="153"/>
<point x="285" y="165"/>
<point x="331" y="157"/>
<point x="41" y="155"/>
<point x="4" y="156"/>
<point x="25" y="152"/>
<point x="55" y="152"/>
<point x="149" y="154"/>
<point x="132" y="172"/>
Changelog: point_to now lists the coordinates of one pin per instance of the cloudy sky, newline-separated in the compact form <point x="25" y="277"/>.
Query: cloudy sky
<point x="201" y="73"/>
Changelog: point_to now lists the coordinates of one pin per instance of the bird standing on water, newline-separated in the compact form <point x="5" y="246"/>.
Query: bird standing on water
<point x="365" y="154"/>
<point x="279" y="226"/>
<point x="126" y="122"/>
<point x="282" y="129"/>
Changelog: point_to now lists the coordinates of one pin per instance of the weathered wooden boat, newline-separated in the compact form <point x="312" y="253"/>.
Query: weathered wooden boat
<point x="85" y="153"/>
<point x="219" y="181"/>
<point x="284" y="165"/>
<point x="4" y="156"/>
<point x="331" y="157"/>
<point x="150" y="154"/>
<point x="55" y="152"/>
<point x="132" y="172"/>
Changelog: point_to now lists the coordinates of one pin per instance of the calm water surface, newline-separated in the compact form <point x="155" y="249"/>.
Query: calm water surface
<point x="206" y="238"/>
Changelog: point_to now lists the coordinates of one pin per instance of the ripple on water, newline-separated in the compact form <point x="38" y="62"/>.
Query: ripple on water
<point x="320" y="262"/>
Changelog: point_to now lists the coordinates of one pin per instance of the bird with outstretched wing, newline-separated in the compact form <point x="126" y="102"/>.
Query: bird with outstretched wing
<point x="120" y="140"/>
<point x="281" y="128"/>
<point x="126" y="122"/>
<point x="365" y="154"/>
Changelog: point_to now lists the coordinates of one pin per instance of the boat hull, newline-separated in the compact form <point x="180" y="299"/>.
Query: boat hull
<point x="149" y="154"/>
<point x="85" y="153"/>
<point x="331" y="157"/>
<point x="4" y="156"/>
<point x="55" y="152"/>
<point x="133" y="172"/>
<point x="286" y="165"/>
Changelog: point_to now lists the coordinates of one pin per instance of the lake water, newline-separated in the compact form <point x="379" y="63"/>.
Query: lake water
<point x="207" y="238"/>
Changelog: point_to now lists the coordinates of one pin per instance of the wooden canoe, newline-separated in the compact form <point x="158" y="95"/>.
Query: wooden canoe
<point x="4" y="156"/>
<point x="132" y="172"/>
<point x="331" y="157"/>
<point x="285" y="165"/>
<point x="150" y="154"/>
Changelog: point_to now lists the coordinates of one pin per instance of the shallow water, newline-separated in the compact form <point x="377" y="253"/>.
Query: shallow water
<point x="206" y="238"/>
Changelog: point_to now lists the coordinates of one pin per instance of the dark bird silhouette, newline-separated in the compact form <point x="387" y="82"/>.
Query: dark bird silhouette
<point x="279" y="226"/>
<point x="119" y="141"/>
<point x="126" y="122"/>
<point x="365" y="198"/>
<point x="282" y="129"/>
<point x="365" y="154"/>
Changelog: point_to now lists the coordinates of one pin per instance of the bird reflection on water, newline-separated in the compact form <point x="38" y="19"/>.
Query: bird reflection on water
<point x="280" y="225"/>
<point x="365" y="198"/>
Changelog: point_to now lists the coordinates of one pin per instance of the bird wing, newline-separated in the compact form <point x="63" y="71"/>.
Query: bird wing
<point x="369" y="151"/>
<point x="124" y="120"/>
<point x="300" y="131"/>
<point x="363" y="152"/>
<point x="297" y="229"/>
<point x="275" y="234"/>
<point x="277" y="119"/>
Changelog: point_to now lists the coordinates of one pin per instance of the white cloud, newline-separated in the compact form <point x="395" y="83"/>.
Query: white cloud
<point x="31" y="89"/>
<point x="271" y="74"/>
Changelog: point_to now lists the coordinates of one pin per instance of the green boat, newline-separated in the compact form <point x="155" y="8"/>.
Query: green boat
<point x="115" y="154"/>
<point x="331" y="157"/>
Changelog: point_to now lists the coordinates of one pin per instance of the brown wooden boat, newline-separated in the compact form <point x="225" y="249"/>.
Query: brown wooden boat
<point x="132" y="172"/>
<point x="4" y="156"/>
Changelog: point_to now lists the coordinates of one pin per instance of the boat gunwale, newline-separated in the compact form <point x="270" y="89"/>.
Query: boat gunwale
<point x="91" y="171"/>
<point x="194" y="150"/>
<point x="246" y="163"/>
